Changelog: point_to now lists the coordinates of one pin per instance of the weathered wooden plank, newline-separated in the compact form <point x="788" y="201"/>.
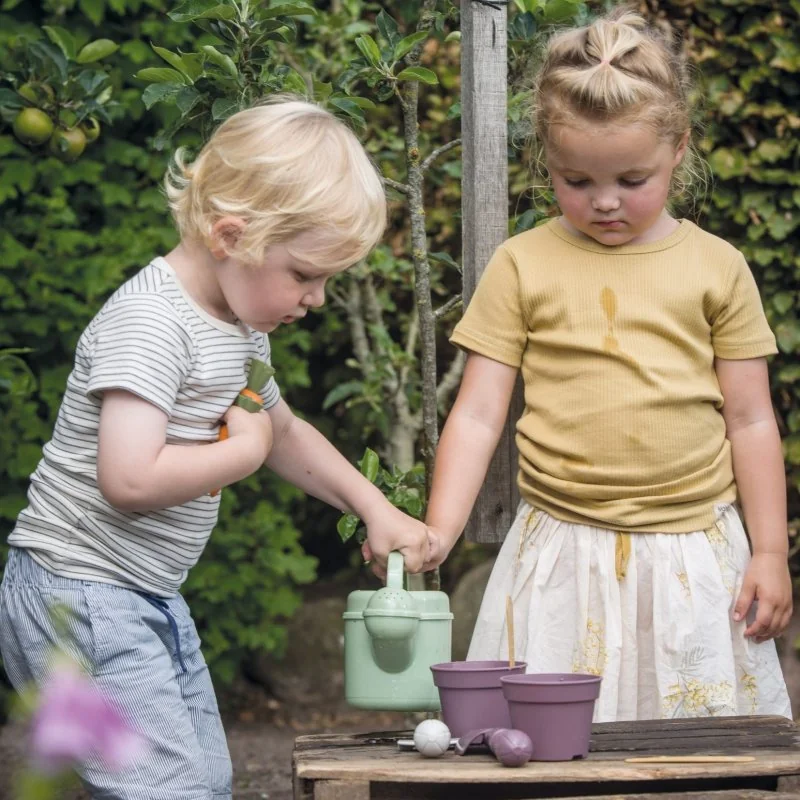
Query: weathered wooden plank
<point x="484" y="223"/>
<point x="696" y="724"/>
<point x="788" y="783"/>
<point x="385" y="764"/>
<point x="737" y="794"/>
<point x="341" y="790"/>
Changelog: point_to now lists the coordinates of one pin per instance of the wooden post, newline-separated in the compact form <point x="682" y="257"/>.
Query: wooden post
<point x="484" y="204"/>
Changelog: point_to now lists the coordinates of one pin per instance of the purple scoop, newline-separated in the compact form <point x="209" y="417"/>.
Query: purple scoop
<point x="512" y="748"/>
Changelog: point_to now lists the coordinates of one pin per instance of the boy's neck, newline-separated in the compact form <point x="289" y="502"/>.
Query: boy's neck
<point x="196" y="268"/>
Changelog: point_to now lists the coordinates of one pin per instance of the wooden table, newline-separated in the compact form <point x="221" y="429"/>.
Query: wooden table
<point x="369" y="766"/>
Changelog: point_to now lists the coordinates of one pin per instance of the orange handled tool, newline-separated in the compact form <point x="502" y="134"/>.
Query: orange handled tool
<point x="258" y="373"/>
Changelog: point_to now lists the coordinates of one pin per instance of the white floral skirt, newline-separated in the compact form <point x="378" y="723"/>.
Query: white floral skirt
<point x="652" y="613"/>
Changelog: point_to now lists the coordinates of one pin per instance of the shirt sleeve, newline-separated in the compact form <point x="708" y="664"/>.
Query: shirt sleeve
<point x="493" y="324"/>
<point x="141" y="346"/>
<point x="740" y="328"/>
<point x="270" y="393"/>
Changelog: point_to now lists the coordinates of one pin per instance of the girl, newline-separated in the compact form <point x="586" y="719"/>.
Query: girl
<point x="124" y="499"/>
<point x="642" y="342"/>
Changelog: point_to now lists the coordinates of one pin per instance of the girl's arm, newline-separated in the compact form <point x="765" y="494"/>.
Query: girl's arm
<point x="138" y="471"/>
<point x="465" y="449"/>
<point x="761" y="483"/>
<point x="304" y="457"/>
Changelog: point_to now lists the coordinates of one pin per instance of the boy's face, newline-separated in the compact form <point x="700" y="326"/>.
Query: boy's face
<point x="279" y="290"/>
<point x="612" y="181"/>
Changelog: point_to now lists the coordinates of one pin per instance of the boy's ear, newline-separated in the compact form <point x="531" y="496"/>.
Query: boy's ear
<point x="225" y="233"/>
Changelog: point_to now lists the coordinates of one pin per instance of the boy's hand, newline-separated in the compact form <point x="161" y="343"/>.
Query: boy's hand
<point x="391" y="529"/>
<point x="255" y="427"/>
<point x="766" y="580"/>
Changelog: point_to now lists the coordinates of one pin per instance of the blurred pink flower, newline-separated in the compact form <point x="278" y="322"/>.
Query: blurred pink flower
<point x="74" y="721"/>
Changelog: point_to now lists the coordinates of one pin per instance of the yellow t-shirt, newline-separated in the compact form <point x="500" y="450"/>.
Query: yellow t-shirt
<point x="622" y="426"/>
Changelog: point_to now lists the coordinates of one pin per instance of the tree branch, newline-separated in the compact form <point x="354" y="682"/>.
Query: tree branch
<point x="396" y="185"/>
<point x="452" y="303"/>
<point x="439" y="151"/>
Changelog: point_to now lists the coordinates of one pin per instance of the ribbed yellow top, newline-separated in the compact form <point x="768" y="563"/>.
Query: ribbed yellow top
<point x="622" y="426"/>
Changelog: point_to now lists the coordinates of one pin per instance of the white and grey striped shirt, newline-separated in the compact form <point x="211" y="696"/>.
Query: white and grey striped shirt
<point x="152" y="340"/>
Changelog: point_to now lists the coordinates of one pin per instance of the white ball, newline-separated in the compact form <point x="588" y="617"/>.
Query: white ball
<point x="432" y="738"/>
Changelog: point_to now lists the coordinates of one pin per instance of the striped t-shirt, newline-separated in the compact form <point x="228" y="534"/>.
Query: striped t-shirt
<point x="152" y="340"/>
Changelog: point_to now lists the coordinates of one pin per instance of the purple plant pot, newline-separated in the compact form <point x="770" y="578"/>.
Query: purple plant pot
<point x="555" y="710"/>
<point x="471" y="694"/>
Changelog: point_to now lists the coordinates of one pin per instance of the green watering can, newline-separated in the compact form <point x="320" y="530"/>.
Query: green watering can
<point x="392" y="636"/>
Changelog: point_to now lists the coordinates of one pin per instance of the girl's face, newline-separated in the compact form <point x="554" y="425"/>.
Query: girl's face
<point x="612" y="181"/>
<point x="279" y="290"/>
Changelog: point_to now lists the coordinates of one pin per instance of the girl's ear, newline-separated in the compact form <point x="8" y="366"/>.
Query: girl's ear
<point x="225" y="234"/>
<point x="680" y="150"/>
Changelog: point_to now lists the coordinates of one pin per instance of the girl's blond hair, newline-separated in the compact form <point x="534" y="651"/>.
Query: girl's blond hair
<point x="618" y="70"/>
<point x="286" y="167"/>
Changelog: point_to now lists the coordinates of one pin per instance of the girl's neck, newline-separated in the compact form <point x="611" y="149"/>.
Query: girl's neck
<point x="196" y="269"/>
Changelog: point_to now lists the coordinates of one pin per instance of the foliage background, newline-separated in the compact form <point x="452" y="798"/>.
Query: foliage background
<point x="71" y="234"/>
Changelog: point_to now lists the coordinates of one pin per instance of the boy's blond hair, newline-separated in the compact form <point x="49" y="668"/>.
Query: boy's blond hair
<point x="285" y="167"/>
<point x="617" y="70"/>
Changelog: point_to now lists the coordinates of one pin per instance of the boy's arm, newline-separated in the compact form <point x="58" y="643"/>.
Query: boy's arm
<point x="304" y="457"/>
<point x="138" y="471"/>
<point x="466" y="447"/>
<point x="761" y="483"/>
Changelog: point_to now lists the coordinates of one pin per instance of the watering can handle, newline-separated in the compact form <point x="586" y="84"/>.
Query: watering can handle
<point x="394" y="570"/>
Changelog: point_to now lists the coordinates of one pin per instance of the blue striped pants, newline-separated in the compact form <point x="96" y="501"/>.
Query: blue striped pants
<point x="148" y="664"/>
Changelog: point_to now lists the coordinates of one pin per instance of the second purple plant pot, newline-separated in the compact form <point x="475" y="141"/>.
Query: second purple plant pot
<point x="471" y="694"/>
<point x="555" y="710"/>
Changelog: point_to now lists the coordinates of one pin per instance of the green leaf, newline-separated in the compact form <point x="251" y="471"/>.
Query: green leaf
<point x="96" y="50"/>
<point x="346" y="526"/>
<point x="727" y="163"/>
<point x="188" y="64"/>
<point x="288" y="8"/>
<point x="10" y="99"/>
<point x="201" y="9"/>
<point x="91" y="80"/>
<point x="370" y="464"/>
<point x="223" y="107"/>
<point x="187" y="99"/>
<point x="94" y="9"/>
<point x="62" y="38"/>
<point x="341" y="392"/>
<point x="418" y="74"/>
<point x="293" y="82"/>
<point x="445" y="258"/>
<point x="388" y="28"/>
<point x="160" y="75"/>
<point x="369" y="48"/>
<point x="50" y="57"/>
<point x="226" y="63"/>
<point x="405" y="46"/>
<point x="561" y="10"/>
<point x="161" y="93"/>
<point x="362" y="102"/>
<point x="349" y="107"/>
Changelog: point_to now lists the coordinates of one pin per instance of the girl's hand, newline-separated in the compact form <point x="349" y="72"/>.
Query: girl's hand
<point x="439" y="547"/>
<point x="766" y="580"/>
<point x="390" y="529"/>
<point x="253" y="426"/>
